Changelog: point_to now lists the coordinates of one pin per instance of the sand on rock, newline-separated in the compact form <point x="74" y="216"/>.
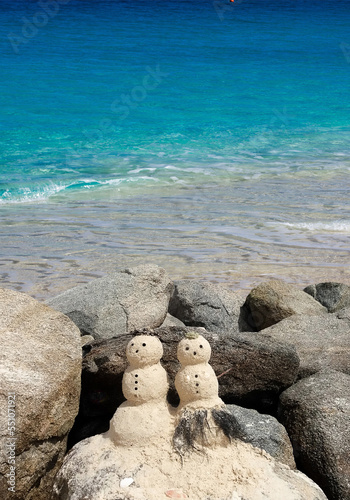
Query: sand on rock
<point x="96" y="469"/>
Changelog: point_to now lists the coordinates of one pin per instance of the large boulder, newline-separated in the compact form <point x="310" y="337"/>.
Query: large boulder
<point x="40" y="365"/>
<point x="275" y="300"/>
<point x="321" y="342"/>
<point x="333" y="296"/>
<point x="316" y="414"/>
<point x="118" y="303"/>
<point x="264" y="432"/>
<point x="252" y="369"/>
<point x="210" y="306"/>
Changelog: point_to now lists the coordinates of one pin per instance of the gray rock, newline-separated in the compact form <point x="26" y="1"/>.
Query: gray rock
<point x="264" y="432"/>
<point x="40" y="364"/>
<point x="344" y="314"/>
<point x="210" y="306"/>
<point x="118" y="303"/>
<point x="275" y="300"/>
<point x="333" y="296"/>
<point x="321" y="342"/>
<point x="252" y="370"/>
<point x="171" y="321"/>
<point x="316" y="414"/>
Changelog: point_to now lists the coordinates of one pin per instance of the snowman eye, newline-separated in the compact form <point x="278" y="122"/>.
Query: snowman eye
<point x="187" y="348"/>
<point x="132" y="344"/>
<point x="144" y="345"/>
<point x="201" y="346"/>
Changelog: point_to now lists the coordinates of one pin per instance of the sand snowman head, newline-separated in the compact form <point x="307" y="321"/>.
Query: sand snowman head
<point x="144" y="350"/>
<point x="144" y="380"/>
<point x="193" y="350"/>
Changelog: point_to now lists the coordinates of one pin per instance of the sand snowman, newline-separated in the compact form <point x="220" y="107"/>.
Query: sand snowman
<point x="196" y="382"/>
<point x="202" y="420"/>
<point x="145" y="416"/>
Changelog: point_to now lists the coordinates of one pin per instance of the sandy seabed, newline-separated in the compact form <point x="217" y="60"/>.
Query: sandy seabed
<point x="236" y="235"/>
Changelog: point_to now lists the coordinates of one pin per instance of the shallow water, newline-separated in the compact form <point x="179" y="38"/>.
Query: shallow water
<point x="238" y="235"/>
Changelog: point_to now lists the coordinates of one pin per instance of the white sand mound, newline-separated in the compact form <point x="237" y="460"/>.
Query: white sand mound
<point x="95" y="469"/>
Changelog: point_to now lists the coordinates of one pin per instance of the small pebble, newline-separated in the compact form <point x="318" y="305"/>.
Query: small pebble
<point x="124" y="483"/>
<point x="175" y="494"/>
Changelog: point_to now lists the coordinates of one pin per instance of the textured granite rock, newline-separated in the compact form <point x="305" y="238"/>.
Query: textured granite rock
<point x="264" y="432"/>
<point x="275" y="300"/>
<point x="316" y="414"/>
<point x="118" y="303"/>
<point x="343" y="314"/>
<point x="210" y="306"/>
<point x="321" y="341"/>
<point x="40" y="367"/>
<point x="333" y="296"/>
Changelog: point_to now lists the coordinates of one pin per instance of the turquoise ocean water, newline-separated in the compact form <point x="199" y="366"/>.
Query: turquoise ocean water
<point x="208" y="136"/>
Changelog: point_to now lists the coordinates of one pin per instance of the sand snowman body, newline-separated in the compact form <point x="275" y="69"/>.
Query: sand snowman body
<point x="145" y="416"/>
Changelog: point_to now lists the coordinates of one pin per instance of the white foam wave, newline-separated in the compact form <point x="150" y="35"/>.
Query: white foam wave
<point x="334" y="226"/>
<point x="42" y="193"/>
<point x="27" y="195"/>
<point x="142" y="169"/>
